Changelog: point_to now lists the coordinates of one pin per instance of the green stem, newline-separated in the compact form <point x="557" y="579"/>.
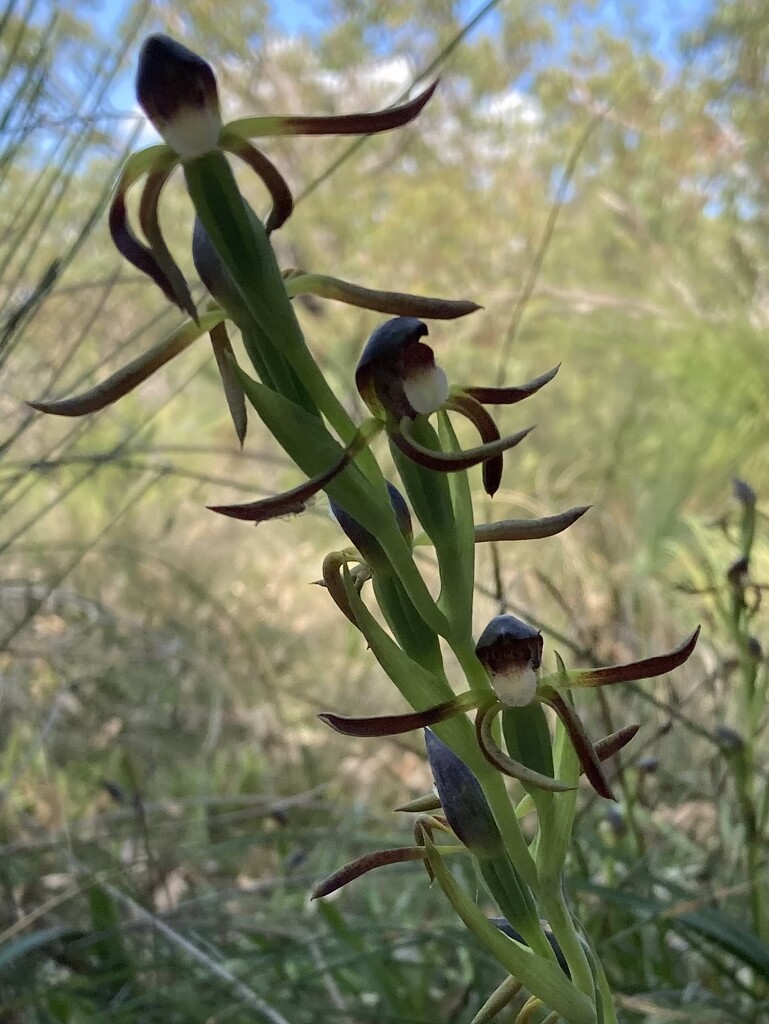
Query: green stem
<point x="609" y="1013"/>
<point x="504" y="815"/>
<point x="243" y="246"/>
<point x="563" y="928"/>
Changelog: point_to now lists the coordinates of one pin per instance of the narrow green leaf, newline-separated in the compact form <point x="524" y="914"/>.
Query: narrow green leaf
<point x="242" y="244"/>
<point x="413" y="634"/>
<point x="458" y="549"/>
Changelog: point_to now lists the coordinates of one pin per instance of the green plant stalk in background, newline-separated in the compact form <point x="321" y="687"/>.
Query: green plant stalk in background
<point x="540" y="943"/>
<point x="740" y="746"/>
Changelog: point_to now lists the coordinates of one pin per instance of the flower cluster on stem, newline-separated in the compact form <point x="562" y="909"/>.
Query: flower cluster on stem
<point x="497" y="726"/>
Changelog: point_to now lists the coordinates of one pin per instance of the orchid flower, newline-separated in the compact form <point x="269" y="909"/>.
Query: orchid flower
<point x="177" y="90"/>
<point x="511" y="652"/>
<point x="399" y="380"/>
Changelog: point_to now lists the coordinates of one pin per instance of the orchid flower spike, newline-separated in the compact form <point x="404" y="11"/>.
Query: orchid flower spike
<point x="177" y="91"/>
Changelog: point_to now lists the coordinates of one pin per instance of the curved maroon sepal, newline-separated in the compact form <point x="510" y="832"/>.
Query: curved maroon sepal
<point x="288" y="503"/>
<point x="483" y="422"/>
<point x="506" y="764"/>
<point x="452" y="462"/>
<point x="509" y="396"/>
<point x="357" y="124"/>
<point x="364" y="864"/>
<point x="396" y="725"/>
<point x="635" y="670"/>
<point x="144" y="259"/>
<point x="150" y="224"/>
<point x="275" y="183"/>
<point x="584" y="749"/>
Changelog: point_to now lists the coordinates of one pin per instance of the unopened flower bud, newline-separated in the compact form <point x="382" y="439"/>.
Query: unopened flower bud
<point x="511" y="652"/>
<point x="177" y="91"/>
<point x="730" y="741"/>
<point x="462" y="800"/>
<point x="737" y="573"/>
<point x="615" y="821"/>
<point x="365" y="542"/>
<point x="743" y="492"/>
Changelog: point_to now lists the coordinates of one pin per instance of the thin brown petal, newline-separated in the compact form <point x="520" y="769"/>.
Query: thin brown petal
<point x="528" y="529"/>
<point x="505" y="764"/>
<point x="282" y="200"/>
<point x="395" y="303"/>
<point x="362" y="865"/>
<point x="295" y="501"/>
<point x="509" y="396"/>
<point x="233" y="389"/>
<point x="588" y="758"/>
<point x="150" y="225"/>
<point x="452" y="462"/>
<point x="288" y="503"/>
<point x="344" y="124"/>
<point x="137" y="254"/>
<point x="155" y="160"/>
<point x="487" y="428"/>
<point x="130" y="376"/>
<point x="395" y="725"/>
<point x="635" y="670"/>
